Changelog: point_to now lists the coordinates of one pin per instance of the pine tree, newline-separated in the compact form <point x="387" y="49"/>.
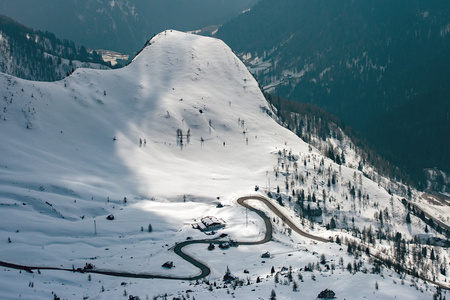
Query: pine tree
<point x="349" y="267"/>
<point x="290" y="274"/>
<point x="295" y="287"/>
<point x="432" y="256"/>
<point x="332" y="223"/>
<point x="227" y="272"/>
<point x="431" y="223"/>
<point x="273" y="295"/>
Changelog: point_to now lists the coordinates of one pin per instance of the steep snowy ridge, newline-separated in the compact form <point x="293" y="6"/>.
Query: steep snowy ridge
<point x="176" y="83"/>
<point x="161" y="142"/>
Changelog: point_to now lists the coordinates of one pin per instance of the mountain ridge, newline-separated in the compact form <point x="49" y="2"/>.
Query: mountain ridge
<point x="145" y="98"/>
<point x="367" y="62"/>
<point x="180" y="134"/>
<point x="41" y="56"/>
<point x="120" y="25"/>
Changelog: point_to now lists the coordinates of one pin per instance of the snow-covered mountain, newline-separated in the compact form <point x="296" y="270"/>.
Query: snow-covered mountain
<point x="166" y="88"/>
<point x="381" y="66"/>
<point x="162" y="142"/>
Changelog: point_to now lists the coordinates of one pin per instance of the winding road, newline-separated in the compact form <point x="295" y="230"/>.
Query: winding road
<point x="178" y="248"/>
<point x="437" y="197"/>
<point x="204" y="269"/>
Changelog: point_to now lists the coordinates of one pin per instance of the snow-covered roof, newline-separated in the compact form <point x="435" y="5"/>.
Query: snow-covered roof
<point x="201" y="226"/>
<point x="209" y="221"/>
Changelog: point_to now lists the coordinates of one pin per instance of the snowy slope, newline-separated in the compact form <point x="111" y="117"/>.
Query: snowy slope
<point x="71" y="155"/>
<point x="162" y="90"/>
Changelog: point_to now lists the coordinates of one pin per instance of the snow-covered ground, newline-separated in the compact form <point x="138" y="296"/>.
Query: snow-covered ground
<point x="104" y="142"/>
<point x="112" y="56"/>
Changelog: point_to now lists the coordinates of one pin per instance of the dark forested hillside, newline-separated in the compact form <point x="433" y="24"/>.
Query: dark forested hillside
<point x="318" y="127"/>
<point x="41" y="56"/>
<point x="120" y="25"/>
<point x="381" y="66"/>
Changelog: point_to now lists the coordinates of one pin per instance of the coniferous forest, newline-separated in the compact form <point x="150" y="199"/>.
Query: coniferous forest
<point x="37" y="55"/>
<point x="382" y="67"/>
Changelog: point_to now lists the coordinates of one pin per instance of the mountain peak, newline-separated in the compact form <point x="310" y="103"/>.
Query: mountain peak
<point x="185" y="54"/>
<point x="180" y="83"/>
<point x="90" y="159"/>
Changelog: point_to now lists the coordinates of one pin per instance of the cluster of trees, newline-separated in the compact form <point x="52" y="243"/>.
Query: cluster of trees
<point x="410" y="255"/>
<point x="403" y="253"/>
<point x="416" y="211"/>
<point x="38" y="55"/>
<point x="367" y="69"/>
<point x="407" y="256"/>
<point x="125" y="25"/>
<point x="315" y="126"/>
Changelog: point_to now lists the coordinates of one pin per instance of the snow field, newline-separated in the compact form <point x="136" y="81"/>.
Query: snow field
<point x="81" y="157"/>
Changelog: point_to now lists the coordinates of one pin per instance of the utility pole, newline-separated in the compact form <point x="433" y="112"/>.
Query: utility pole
<point x="95" y="227"/>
